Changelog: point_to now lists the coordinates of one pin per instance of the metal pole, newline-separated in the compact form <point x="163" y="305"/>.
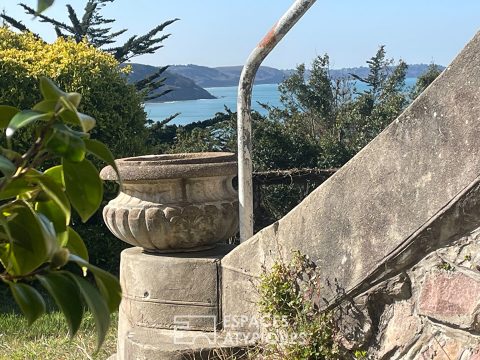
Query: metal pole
<point x="244" y="119"/>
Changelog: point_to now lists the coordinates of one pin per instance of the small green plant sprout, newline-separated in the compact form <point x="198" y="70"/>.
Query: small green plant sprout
<point x="360" y="355"/>
<point x="298" y="329"/>
<point x="36" y="201"/>
<point x="468" y="257"/>
<point x="446" y="266"/>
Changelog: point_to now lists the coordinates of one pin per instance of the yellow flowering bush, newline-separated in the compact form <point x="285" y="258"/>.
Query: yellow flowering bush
<point x="75" y="67"/>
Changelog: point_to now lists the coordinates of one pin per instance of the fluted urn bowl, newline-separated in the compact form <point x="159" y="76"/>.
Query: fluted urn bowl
<point x="174" y="202"/>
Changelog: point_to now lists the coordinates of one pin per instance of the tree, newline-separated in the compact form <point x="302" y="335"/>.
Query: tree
<point x="371" y="110"/>
<point x="98" y="32"/>
<point x="425" y="79"/>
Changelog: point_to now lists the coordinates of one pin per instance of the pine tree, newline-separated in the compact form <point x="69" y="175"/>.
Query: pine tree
<point x="97" y="30"/>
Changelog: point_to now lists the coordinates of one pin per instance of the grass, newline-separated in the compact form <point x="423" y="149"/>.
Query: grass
<point x="48" y="339"/>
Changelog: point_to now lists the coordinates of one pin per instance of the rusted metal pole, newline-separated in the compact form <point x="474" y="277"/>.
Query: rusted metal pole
<point x="244" y="118"/>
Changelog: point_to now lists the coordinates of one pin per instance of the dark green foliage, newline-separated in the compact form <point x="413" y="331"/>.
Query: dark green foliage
<point x="282" y="146"/>
<point x="426" y="79"/>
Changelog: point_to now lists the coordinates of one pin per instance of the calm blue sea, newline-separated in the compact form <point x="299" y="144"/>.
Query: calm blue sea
<point x="197" y="110"/>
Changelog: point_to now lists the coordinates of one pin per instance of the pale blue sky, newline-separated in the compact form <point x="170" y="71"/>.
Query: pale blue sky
<point x="223" y="32"/>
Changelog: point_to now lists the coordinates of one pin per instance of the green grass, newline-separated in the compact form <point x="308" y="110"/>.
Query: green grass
<point x="48" y="339"/>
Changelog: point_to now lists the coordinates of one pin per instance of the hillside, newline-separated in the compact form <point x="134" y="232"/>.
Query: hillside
<point x="230" y="75"/>
<point x="188" y="81"/>
<point x="183" y="87"/>
<point x="225" y="75"/>
<point x="413" y="71"/>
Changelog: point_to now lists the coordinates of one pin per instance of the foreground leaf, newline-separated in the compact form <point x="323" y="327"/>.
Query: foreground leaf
<point x="106" y="282"/>
<point x="6" y="114"/>
<point x="56" y="173"/>
<point x="17" y="187"/>
<point x="29" y="300"/>
<point x="6" y="166"/>
<point x="23" y="118"/>
<point x="58" y="217"/>
<point x="66" y="144"/>
<point x="97" y="305"/>
<point x="55" y="193"/>
<point x="83" y="186"/>
<point x="32" y="242"/>
<point x="76" y="245"/>
<point x="49" y="90"/>
<point x="101" y="151"/>
<point x="66" y="295"/>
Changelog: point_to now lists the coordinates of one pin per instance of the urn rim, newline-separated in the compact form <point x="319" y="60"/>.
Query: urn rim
<point x="172" y="166"/>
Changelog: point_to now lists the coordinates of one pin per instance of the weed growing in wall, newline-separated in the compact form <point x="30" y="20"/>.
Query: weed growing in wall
<point x="297" y="328"/>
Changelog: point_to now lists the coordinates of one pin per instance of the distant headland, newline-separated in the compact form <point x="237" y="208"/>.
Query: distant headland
<point x="188" y="82"/>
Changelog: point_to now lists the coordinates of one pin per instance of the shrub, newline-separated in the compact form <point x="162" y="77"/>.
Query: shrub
<point x="75" y="67"/>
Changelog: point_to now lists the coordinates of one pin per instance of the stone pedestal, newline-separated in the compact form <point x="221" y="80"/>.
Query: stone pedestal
<point x="157" y="344"/>
<point x="168" y="299"/>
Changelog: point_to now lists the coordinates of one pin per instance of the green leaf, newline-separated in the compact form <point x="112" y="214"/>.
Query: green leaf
<point x="32" y="241"/>
<point x="17" y="187"/>
<point x="67" y="104"/>
<point x="66" y="144"/>
<point x="23" y="118"/>
<point x="88" y="122"/>
<point x="53" y="212"/>
<point x="74" y="98"/>
<point x="6" y="166"/>
<point x="10" y="154"/>
<point x="42" y="5"/>
<point x="97" y="305"/>
<point x="70" y="117"/>
<point x="49" y="229"/>
<point x="76" y="245"/>
<point x="46" y="106"/>
<point x="101" y="151"/>
<point x="66" y="294"/>
<point x="6" y="114"/>
<point x="56" y="173"/>
<point x="83" y="186"/>
<point x="29" y="300"/>
<point x="49" y="90"/>
<point x="56" y="193"/>
<point x="106" y="282"/>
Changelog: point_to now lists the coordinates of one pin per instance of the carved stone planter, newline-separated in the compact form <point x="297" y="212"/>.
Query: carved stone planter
<point x="177" y="202"/>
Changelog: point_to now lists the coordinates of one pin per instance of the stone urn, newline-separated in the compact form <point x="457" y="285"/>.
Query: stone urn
<point x="175" y="202"/>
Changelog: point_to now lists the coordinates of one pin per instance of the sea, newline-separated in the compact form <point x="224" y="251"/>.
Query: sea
<point x="203" y="109"/>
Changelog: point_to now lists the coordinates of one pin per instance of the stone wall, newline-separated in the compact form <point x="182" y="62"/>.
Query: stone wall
<point x="430" y="311"/>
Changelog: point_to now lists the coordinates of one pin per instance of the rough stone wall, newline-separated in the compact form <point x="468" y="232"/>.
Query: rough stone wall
<point x="430" y="311"/>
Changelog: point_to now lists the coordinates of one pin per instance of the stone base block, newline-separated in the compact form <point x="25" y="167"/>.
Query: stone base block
<point x="165" y="291"/>
<point x="148" y="344"/>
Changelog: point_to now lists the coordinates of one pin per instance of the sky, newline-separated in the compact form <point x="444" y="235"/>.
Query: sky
<point x="224" y="32"/>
